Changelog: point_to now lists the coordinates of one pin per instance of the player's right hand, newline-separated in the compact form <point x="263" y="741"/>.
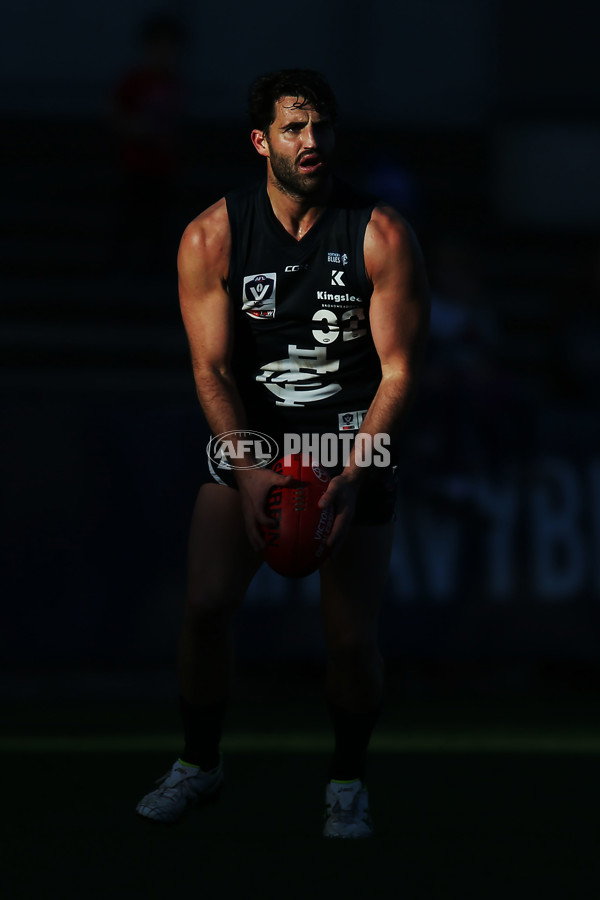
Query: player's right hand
<point x="341" y="493"/>
<point x="254" y="487"/>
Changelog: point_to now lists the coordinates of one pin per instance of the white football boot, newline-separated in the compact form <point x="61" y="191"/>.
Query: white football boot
<point x="347" y="811"/>
<point x="180" y="788"/>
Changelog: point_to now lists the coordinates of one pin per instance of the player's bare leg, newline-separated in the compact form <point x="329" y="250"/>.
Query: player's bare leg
<point x="221" y="566"/>
<point x="352" y="585"/>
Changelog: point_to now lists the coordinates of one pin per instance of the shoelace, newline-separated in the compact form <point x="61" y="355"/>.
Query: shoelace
<point x="344" y="813"/>
<point x="348" y="816"/>
<point x="168" y="790"/>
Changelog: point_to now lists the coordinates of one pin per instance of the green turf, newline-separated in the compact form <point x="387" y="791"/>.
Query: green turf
<point x="306" y="743"/>
<point x="470" y="799"/>
<point x="447" y="826"/>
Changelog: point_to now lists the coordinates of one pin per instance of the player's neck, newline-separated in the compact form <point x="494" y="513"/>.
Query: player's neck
<point x="297" y="214"/>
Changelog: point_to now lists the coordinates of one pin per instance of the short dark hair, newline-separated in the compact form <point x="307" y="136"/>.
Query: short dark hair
<point x="308" y="86"/>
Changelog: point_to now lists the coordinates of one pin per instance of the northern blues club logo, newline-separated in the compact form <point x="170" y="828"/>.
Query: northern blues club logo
<point x="259" y="295"/>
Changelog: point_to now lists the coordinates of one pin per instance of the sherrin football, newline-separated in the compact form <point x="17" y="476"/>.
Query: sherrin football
<point x="296" y="543"/>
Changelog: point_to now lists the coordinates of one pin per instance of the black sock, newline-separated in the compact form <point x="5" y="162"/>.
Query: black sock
<point x="202" y="728"/>
<point x="352" y="733"/>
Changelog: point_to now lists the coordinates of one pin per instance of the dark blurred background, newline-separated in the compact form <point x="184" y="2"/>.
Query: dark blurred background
<point x="121" y="121"/>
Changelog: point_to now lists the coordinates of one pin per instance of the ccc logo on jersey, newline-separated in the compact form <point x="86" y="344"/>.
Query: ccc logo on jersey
<point x="259" y="295"/>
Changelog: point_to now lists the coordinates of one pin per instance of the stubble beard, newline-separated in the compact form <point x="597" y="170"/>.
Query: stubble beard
<point x="293" y="183"/>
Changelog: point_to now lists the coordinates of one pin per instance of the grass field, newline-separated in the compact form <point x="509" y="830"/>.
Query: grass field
<point x="468" y="800"/>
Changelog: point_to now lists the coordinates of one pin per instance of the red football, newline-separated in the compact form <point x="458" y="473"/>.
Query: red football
<point x="296" y="542"/>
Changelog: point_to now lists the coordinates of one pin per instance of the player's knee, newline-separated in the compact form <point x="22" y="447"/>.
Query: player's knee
<point x="207" y="611"/>
<point x="354" y="651"/>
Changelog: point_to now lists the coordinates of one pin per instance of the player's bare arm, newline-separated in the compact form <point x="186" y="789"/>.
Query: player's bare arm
<point x="399" y="318"/>
<point x="203" y="267"/>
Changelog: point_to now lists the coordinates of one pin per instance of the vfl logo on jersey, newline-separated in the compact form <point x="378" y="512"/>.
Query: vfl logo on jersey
<point x="259" y="295"/>
<point x="299" y="379"/>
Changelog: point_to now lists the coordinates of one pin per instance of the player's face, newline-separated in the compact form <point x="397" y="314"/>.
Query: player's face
<point x="300" y="143"/>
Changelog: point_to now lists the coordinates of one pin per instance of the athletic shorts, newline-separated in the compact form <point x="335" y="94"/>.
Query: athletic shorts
<point x="376" y="497"/>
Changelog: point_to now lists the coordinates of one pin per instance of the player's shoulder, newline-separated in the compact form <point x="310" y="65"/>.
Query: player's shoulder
<point x="208" y="234"/>
<point x="388" y="231"/>
<point x="211" y="220"/>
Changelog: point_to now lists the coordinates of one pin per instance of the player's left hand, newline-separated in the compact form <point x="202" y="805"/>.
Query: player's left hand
<point x="341" y="493"/>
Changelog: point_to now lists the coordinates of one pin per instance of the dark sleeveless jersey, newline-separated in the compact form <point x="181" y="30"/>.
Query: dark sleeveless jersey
<point x="303" y="357"/>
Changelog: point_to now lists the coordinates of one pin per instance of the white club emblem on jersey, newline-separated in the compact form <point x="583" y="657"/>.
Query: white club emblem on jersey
<point x="295" y="381"/>
<point x="259" y="295"/>
<point x="339" y="258"/>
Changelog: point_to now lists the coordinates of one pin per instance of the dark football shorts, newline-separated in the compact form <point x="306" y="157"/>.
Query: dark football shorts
<point x="376" y="497"/>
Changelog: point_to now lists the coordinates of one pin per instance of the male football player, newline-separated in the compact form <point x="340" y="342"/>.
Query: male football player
<point x="305" y="306"/>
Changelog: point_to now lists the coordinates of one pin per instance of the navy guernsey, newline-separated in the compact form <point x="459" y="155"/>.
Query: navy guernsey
<point x="303" y="356"/>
